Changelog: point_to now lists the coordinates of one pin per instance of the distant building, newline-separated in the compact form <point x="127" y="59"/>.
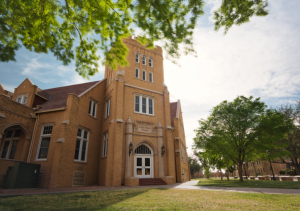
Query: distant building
<point x="260" y="168"/>
<point x="111" y="132"/>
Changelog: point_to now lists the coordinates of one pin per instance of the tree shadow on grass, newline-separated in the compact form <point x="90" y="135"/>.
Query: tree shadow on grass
<point x="95" y="200"/>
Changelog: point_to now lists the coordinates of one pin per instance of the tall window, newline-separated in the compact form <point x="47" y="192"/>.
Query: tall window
<point x="151" y="77"/>
<point x="137" y="103"/>
<point x="137" y="60"/>
<point x="22" y="99"/>
<point x="144" y="104"/>
<point x="150" y="62"/>
<point x="10" y="142"/>
<point x="137" y="75"/>
<point x="144" y="60"/>
<point x="92" y="108"/>
<point x="144" y="75"/>
<point x="107" y="110"/>
<point x="150" y="106"/>
<point x="81" y="145"/>
<point x="44" y="142"/>
<point x="105" y="140"/>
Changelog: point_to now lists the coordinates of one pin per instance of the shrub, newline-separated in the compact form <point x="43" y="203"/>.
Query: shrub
<point x="291" y="172"/>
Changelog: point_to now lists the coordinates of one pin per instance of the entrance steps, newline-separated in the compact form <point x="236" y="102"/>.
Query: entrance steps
<point x="151" y="181"/>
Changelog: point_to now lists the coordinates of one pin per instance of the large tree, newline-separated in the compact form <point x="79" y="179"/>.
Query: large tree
<point x="78" y="29"/>
<point x="241" y="128"/>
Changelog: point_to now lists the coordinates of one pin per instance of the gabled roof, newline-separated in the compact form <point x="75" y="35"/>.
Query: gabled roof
<point x="2" y="87"/>
<point x="57" y="97"/>
<point x="27" y="79"/>
<point x="10" y="94"/>
<point x="174" y="111"/>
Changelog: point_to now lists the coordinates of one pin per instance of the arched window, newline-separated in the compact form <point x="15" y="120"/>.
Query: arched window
<point x="142" y="149"/>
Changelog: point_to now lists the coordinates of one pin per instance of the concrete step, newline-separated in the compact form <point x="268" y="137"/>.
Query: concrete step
<point x="151" y="181"/>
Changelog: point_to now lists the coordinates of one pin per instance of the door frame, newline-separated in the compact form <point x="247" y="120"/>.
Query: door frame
<point x="143" y="170"/>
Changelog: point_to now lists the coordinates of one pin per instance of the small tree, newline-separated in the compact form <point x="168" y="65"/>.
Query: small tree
<point x="207" y="172"/>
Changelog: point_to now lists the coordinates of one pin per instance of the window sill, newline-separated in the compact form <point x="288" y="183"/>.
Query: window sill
<point x="82" y="162"/>
<point x="144" y="114"/>
<point x="143" y="80"/>
<point x="11" y="160"/>
<point x="40" y="160"/>
<point x="92" y="117"/>
<point x="104" y="157"/>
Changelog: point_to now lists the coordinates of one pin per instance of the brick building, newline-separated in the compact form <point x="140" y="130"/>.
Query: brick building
<point x="111" y="132"/>
<point x="260" y="168"/>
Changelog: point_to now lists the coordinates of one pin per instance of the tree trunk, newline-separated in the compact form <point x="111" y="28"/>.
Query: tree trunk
<point x="227" y="172"/>
<point x="297" y="166"/>
<point x="241" y="170"/>
<point x="221" y="174"/>
<point x="254" y="169"/>
<point x="194" y="167"/>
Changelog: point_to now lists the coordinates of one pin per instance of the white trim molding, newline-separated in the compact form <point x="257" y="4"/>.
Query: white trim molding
<point x="143" y="89"/>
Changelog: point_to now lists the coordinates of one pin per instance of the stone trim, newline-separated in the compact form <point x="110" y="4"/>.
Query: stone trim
<point x="143" y="89"/>
<point x="91" y="87"/>
<point x="108" y="93"/>
<point x="119" y="120"/>
<point x="85" y="128"/>
<point x="144" y="135"/>
<point x="60" y="140"/>
<point x="47" y="123"/>
<point x="93" y="99"/>
<point x="57" y="109"/>
<point x="2" y="115"/>
<point x="65" y="122"/>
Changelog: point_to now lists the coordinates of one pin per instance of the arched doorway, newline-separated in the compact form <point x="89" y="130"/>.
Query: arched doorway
<point x="143" y="161"/>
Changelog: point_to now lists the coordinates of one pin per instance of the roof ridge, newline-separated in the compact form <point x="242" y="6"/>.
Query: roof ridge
<point x="69" y="85"/>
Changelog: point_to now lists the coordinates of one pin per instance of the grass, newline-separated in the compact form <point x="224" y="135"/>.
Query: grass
<point x="152" y="199"/>
<point x="248" y="183"/>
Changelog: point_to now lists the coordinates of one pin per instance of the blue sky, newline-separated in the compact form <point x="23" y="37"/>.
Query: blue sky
<point x="260" y="58"/>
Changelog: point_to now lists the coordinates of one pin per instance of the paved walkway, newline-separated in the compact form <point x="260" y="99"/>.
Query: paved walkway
<point x="187" y="185"/>
<point x="191" y="185"/>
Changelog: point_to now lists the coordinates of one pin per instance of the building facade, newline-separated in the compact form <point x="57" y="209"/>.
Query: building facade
<point x="260" y="168"/>
<point x="111" y="132"/>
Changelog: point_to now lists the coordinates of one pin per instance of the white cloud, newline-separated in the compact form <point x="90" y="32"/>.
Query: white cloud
<point x="37" y="70"/>
<point x="260" y="58"/>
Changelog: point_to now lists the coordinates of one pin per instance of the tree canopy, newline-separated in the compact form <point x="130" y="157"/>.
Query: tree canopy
<point x="288" y="151"/>
<point x="78" y="29"/>
<point x="240" y="129"/>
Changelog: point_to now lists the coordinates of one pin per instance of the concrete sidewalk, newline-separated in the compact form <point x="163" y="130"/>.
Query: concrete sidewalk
<point x="191" y="185"/>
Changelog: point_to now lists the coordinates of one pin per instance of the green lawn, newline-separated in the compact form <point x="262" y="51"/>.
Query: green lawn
<point x="248" y="183"/>
<point x="152" y="199"/>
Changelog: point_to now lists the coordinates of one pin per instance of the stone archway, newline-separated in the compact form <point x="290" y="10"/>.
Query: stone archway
<point x="154" y="150"/>
<point x="143" y="161"/>
<point x="23" y="128"/>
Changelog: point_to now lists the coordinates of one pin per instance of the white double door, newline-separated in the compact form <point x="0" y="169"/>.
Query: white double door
<point x="143" y="166"/>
